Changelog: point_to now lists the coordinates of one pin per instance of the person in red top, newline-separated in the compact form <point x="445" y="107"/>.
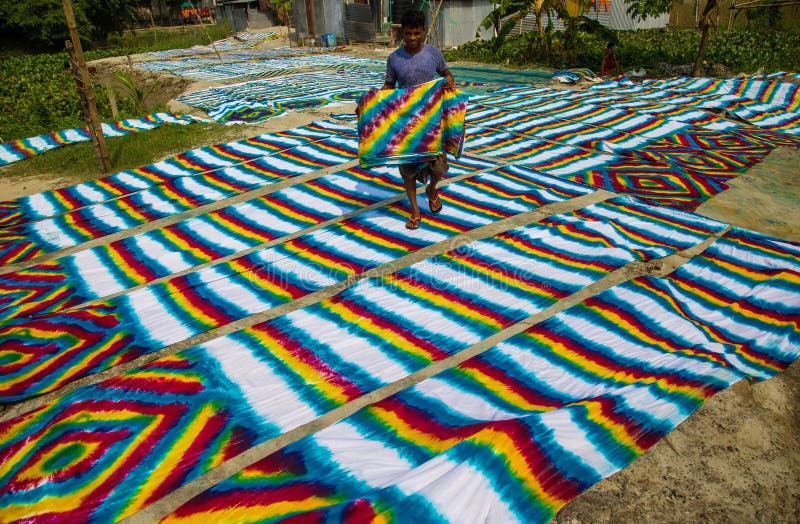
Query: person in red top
<point x="610" y="61"/>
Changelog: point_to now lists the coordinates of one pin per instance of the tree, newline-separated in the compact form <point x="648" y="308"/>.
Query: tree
<point x="642" y="9"/>
<point x="509" y="12"/>
<point x="42" y="22"/>
<point x="705" y="31"/>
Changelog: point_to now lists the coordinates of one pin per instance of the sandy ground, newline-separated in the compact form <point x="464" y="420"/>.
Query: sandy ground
<point x="737" y="459"/>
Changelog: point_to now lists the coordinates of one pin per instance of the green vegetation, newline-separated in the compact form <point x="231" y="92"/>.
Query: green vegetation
<point x="38" y="93"/>
<point x="164" y="38"/>
<point x="739" y="51"/>
<point x="78" y="162"/>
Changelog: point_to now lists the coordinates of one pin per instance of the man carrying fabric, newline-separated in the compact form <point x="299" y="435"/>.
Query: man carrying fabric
<point x="408" y="66"/>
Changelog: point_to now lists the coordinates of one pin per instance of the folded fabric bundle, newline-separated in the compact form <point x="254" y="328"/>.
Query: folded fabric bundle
<point x="407" y="126"/>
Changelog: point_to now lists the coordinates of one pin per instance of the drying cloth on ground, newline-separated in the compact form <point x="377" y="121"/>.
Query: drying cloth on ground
<point x="406" y="126"/>
<point x="23" y="148"/>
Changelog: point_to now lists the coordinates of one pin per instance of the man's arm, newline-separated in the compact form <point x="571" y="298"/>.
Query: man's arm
<point x="388" y="85"/>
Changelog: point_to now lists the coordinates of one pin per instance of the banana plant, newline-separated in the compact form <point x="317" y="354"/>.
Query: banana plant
<point x="137" y="94"/>
<point x="509" y="12"/>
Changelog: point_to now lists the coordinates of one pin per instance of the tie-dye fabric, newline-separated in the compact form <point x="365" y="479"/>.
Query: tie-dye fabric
<point x="23" y="148"/>
<point x="406" y="126"/>
<point x="561" y="355"/>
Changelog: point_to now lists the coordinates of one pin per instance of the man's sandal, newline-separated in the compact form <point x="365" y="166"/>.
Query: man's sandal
<point x="413" y="223"/>
<point x="434" y="204"/>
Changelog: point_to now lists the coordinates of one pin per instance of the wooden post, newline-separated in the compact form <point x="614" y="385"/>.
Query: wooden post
<point x="85" y="91"/>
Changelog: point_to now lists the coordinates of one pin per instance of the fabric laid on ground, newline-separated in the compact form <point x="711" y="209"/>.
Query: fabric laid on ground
<point x="263" y="63"/>
<point x="514" y="434"/>
<point x="769" y="104"/>
<point x="231" y="104"/>
<point x="673" y="157"/>
<point x="15" y="150"/>
<point x="138" y="259"/>
<point x="242" y="40"/>
<point x="407" y="126"/>
<point x="116" y="330"/>
<point x="257" y="383"/>
<point x="511" y="435"/>
<point x="33" y="239"/>
<point x="198" y="161"/>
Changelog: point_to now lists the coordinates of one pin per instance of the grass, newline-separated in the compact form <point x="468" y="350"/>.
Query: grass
<point x="78" y="162"/>
<point x="165" y="38"/>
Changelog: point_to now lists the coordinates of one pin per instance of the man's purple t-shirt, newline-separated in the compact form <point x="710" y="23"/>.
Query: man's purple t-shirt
<point x="408" y="70"/>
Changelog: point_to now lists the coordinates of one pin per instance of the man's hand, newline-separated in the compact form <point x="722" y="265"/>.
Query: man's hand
<point x="449" y="81"/>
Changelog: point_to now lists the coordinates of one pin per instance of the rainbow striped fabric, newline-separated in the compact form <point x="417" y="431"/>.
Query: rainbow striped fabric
<point x="407" y="126"/>
<point x="769" y="103"/>
<point x="260" y="309"/>
<point x="23" y="148"/>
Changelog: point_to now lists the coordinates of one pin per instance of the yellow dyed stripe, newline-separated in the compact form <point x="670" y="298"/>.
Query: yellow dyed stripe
<point x="108" y="187"/>
<point x="131" y="211"/>
<point x="409" y="433"/>
<point x="185" y="246"/>
<point x="442" y="302"/>
<point x="220" y="184"/>
<point x="170" y="461"/>
<point x="324" y="262"/>
<point x="166" y="375"/>
<point x="187" y="163"/>
<point x="232" y="226"/>
<point x="178" y="199"/>
<point x="501" y="390"/>
<point x="368" y="325"/>
<point x="323" y="191"/>
<point x="590" y="237"/>
<point x="253" y="513"/>
<point x="291" y="213"/>
<point x="310" y="375"/>
<point x="617" y="431"/>
<point x="263" y="283"/>
<point x="63" y="202"/>
<point x="155" y="178"/>
<point x="180" y="300"/>
<point x="501" y="444"/>
<point x="125" y="268"/>
<point x="756" y="274"/>
<point x="76" y="225"/>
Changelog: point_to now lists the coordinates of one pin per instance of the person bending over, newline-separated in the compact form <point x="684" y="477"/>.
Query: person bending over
<point x="409" y="66"/>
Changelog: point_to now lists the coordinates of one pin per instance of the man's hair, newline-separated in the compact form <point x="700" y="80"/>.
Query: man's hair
<point x="413" y="18"/>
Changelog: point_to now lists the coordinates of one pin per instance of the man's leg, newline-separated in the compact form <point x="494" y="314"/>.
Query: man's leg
<point x="409" y="174"/>
<point x="438" y="168"/>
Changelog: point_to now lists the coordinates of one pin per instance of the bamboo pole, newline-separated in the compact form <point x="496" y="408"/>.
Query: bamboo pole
<point x="85" y="89"/>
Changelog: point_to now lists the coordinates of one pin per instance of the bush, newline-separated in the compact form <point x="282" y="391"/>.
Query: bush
<point x="738" y="51"/>
<point x="38" y="93"/>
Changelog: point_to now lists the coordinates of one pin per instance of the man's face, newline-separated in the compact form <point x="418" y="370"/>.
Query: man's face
<point x="413" y="38"/>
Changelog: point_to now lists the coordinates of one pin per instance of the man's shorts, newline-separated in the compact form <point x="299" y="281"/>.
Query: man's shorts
<point x="421" y="173"/>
